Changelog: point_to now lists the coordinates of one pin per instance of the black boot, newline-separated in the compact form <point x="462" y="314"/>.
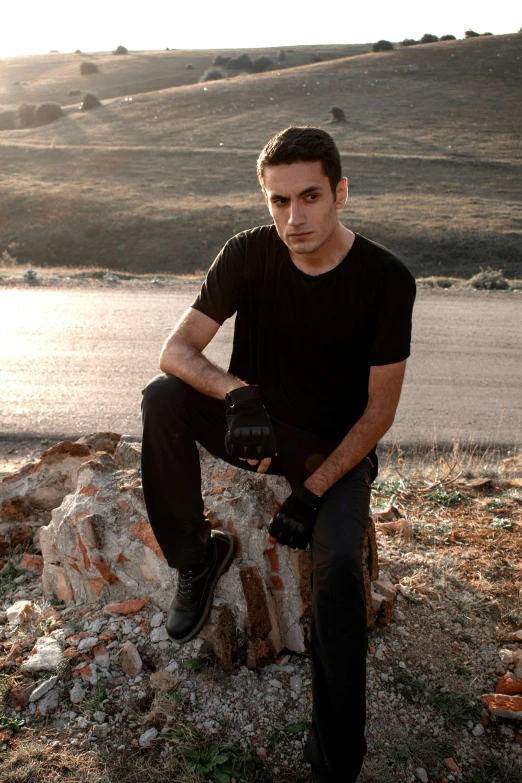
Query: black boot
<point x="191" y="605"/>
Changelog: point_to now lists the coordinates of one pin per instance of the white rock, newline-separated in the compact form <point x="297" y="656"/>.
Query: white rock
<point x="478" y="731"/>
<point x="422" y="775"/>
<point x="296" y="683"/>
<point x="82" y="722"/>
<point x="87" y="644"/>
<point x="507" y="656"/>
<point x="157" y="620"/>
<point x="146" y="739"/>
<point x="46" y="656"/>
<point x="159" y="635"/>
<point x="96" y="626"/>
<point x="42" y="688"/>
<point x="275" y="684"/>
<point x="101" y="731"/>
<point x="50" y="701"/>
<point x="19" y="613"/>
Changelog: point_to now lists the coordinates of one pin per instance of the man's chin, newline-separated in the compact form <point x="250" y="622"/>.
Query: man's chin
<point x="304" y="245"/>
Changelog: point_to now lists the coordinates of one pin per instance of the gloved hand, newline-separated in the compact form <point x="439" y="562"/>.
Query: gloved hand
<point x="292" y="524"/>
<point x="250" y="433"/>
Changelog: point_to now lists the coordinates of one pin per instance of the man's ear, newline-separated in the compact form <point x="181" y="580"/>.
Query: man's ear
<point x="341" y="193"/>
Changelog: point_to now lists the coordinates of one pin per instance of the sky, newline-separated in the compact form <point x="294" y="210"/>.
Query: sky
<point x="36" y="27"/>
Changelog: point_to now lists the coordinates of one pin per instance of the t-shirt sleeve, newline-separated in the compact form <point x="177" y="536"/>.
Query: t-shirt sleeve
<point x="220" y="293"/>
<point x="393" y="314"/>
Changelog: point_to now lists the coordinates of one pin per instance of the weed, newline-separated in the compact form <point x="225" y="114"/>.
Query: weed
<point x="457" y="708"/>
<point x="7" y="577"/>
<point x="412" y="688"/>
<point x="502" y="523"/>
<point x="445" y="498"/>
<point x="93" y="700"/>
<point x="11" y="723"/>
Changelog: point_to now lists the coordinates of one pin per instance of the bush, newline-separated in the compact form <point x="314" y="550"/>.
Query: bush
<point x="409" y="42"/>
<point x="471" y="34"/>
<point x="121" y="50"/>
<point x="90" y="101"/>
<point x="241" y="63"/>
<point x="219" y="59"/>
<point x="447" y="38"/>
<point x="46" y="113"/>
<point x="489" y="279"/>
<point x="27" y="115"/>
<point x="429" y="38"/>
<point x="382" y="46"/>
<point x="7" y="120"/>
<point x="317" y="59"/>
<point x="262" y="64"/>
<point x="189" y="67"/>
<point x="86" y="68"/>
<point x="78" y="51"/>
<point x="337" y="114"/>
<point x="212" y="75"/>
<point x="75" y="92"/>
<point x="281" y="56"/>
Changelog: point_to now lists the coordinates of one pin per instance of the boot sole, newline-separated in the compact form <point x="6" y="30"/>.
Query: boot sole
<point x="225" y="565"/>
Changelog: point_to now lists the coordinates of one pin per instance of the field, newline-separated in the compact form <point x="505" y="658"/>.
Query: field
<point x="431" y="146"/>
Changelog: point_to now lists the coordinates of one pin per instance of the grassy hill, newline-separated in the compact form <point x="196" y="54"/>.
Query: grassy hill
<point x="431" y="147"/>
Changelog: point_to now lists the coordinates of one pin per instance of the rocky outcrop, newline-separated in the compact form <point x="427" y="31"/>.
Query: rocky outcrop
<point x="99" y="547"/>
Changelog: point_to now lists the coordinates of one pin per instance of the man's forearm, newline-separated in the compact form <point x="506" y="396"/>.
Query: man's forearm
<point x="191" y="366"/>
<point x="363" y="436"/>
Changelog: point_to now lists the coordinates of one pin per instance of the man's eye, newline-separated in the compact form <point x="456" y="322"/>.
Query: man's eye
<point x="312" y="196"/>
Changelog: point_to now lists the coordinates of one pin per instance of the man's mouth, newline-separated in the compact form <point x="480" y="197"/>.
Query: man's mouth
<point x="300" y="234"/>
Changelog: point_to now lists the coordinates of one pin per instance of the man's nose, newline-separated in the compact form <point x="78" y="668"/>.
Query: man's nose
<point x="296" y="216"/>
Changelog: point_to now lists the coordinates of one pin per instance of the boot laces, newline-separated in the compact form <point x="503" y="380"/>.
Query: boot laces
<point x="187" y="579"/>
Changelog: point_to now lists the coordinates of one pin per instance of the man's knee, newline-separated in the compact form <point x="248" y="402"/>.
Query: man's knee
<point x="164" y="393"/>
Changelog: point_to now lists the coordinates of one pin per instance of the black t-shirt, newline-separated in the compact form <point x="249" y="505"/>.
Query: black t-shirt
<point x="309" y="341"/>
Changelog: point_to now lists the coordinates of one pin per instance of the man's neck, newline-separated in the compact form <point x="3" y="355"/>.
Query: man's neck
<point x="328" y="256"/>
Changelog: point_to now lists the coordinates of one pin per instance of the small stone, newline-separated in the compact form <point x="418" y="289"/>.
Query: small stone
<point x="101" y="731"/>
<point x="99" y="716"/>
<point x="130" y="660"/>
<point x="509" y="685"/>
<point x="452" y="764"/>
<point x="504" y="706"/>
<point x="50" y="701"/>
<point x="261" y="752"/>
<point x="146" y="739"/>
<point x="296" y="683"/>
<point x="87" y="644"/>
<point x="275" y="684"/>
<point x="128" y="607"/>
<point x="19" y="613"/>
<point x="421" y="774"/>
<point x="82" y="722"/>
<point x="77" y="693"/>
<point x="42" y="688"/>
<point x="159" y="635"/>
<point x="89" y="673"/>
<point x="478" y="731"/>
<point x="45" y="656"/>
<point x="157" y="620"/>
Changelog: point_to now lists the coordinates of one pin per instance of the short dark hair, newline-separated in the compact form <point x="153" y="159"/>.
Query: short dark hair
<point x="302" y="144"/>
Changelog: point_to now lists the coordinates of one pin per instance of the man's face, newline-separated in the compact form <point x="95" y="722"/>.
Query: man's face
<point x="301" y="202"/>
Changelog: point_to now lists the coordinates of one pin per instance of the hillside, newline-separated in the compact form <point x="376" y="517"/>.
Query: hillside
<point x="431" y="147"/>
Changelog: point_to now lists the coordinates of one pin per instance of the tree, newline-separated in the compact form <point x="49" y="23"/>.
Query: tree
<point x="409" y="42"/>
<point x="429" y="38"/>
<point x="471" y="34"/>
<point x="383" y="46"/>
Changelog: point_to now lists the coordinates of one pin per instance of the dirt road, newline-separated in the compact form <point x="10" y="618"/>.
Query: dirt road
<point x="73" y="361"/>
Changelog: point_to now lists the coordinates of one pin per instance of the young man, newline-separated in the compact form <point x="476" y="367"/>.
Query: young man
<point x="322" y="334"/>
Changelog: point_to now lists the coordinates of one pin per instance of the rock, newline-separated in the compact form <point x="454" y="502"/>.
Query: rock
<point x="296" y="683"/>
<point x="45" y="656"/>
<point x="50" y="701"/>
<point x="504" y="706"/>
<point x="453" y="766"/>
<point x="146" y="739"/>
<point x="157" y="620"/>
<point x="19" y="613"/>
<point x="101" y="731"/>
<point x="42" y="688"/>
<point x="385" y="588"/>
<point x="159" y="635"/>
<point x="509" y="684"/>
<point x="77" y="693"/>
<point x="87" y="644"/>
<point x="128" y="453"/>
<point x="130" y="660"/>
<point x="478" y="730"/>
<point x="89" y="674"/>
<point x="421" y="774"/>
<point x="128" y="607"/>
<point x="33" y="563"/>
<point x="99" y="716"/>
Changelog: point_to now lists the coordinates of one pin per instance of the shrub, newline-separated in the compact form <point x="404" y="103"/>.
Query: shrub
<point x="78" y="51"/>
<point x="281" y="56"/>
<point x="74" y="92"/>
<point x="26" y="115"/>
<point x="219" y="59"/>
<point x="489" y="279"/>
<point x="90" y="101"/>
<point x="471" y="34"/>
<point x="189" y="67"/>
<point x="46" y="113"/>
<point x="317" y="59"/>
<point x="240" y="63"/>
<point x="487" y="33"/>
<point x="447" y="38"/>
<point x="262" y="64"/>
<point x="212" y="75"/>
<point x="337" y="114"/>
<point x="409" y="42"/>
<point x="429" y="38"/>
<point x="121" y="50"/>
<point x="382" y="46"/>
<point x="7" y="120"/>
<point x="86" y="68"/>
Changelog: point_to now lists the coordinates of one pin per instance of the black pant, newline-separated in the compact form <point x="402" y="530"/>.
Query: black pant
<point x="175" y="417"/>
